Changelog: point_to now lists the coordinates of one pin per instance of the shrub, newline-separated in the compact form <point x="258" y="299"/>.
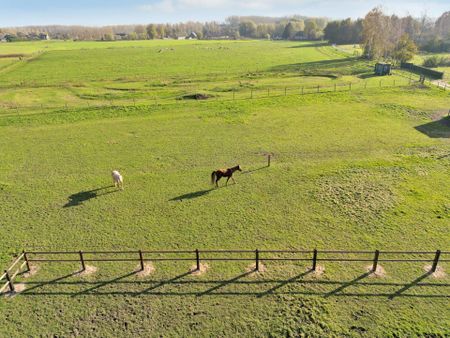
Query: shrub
<point x="436" y="61"/>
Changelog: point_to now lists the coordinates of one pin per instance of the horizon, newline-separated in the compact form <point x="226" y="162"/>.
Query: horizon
<point x="98" y="13"/>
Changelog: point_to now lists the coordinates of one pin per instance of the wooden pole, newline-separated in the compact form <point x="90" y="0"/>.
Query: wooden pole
<point x="436" y="260"/>
<point x="268" y="159"/>
<point x="375" y="261"/>
<point x="197" y="258"/>
<point x="83" y="266"/>
<point x="257" y="260"/>
<point x="314" y="264"/>
<point x="26" y="260"/>
<point x="141" y="258"/>
<point x="8" y="279"/>
<point x="318" y="88"/>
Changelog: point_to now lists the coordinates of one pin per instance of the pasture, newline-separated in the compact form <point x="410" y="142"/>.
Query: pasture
<point x="365" y="168"/>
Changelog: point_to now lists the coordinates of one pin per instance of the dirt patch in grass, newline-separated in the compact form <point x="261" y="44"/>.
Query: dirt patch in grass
<point x="197" y="272"/>
<point x="18" y="288"/>
<point x="360" y="194"/>
<point x="320" y="270"/>
<point x="33" y="270"/>
<point x="251" y="269"/>
<point x="378" y="273"/>
<point x="149" y="268"/>
<point x="438" y="274"/>
<point x="90" y="270"/>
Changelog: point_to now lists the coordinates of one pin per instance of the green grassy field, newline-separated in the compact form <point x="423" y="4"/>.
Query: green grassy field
<point x="359" y="169"/>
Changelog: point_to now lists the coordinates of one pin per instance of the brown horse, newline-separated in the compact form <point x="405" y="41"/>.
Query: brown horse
<point x="218" y="174"/>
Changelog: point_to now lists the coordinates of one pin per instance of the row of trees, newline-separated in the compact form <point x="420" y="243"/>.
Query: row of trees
<point x="234" y="27"/>
<point x="384" y="36"/>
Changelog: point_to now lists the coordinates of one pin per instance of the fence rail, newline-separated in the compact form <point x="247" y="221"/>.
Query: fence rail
<point x="257" y="256"/>
<point x="231" y="94"/>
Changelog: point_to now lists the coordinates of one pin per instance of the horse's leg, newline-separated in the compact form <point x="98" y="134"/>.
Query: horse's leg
<point x="233" y="180"/>
<point x="227" y="180"/>
<point x="217" y="180"/>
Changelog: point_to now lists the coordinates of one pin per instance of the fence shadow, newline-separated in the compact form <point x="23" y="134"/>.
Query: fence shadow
<point x="176" y="282"/>
<point x="83" y="196"/>
<point x="285" y="282"/>
<point x="192" y="195"/>
<point x="347" y="284"/>
<point x="436" y="129"/>
<point x="410" y="285"/>
<point x="253" y="170"/>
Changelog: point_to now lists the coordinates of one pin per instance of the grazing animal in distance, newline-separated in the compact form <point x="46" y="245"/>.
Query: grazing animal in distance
<point x="117" y="179"/>
<point x="219" y="173"/>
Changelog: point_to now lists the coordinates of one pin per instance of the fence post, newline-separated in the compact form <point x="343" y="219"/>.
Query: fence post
<point x="197" y="258"/>
<point x="350" y="86"/>
<point x="83" y="266"/>
<point x="268" y="92"/>
<point x="141" y="258"/>
<point x="233" y="94"/>
<point x="26" y="260"/>
<point x="257" y="260"/>
<point x="314" y="264"/>
<point x="8" y="279"/>
<point x="394" y="83"/>
<point x="436" y="260"/>
<point x="318" y="88"/>
<point x="380" y="83"/>
<point x="251" y="93"/>
<point x="375" y="260"/>
<point x="268" y="159"/>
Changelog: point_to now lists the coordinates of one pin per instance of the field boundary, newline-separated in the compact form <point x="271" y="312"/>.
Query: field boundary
<point x="197" y="256"/>
<point x="207" y="96"/>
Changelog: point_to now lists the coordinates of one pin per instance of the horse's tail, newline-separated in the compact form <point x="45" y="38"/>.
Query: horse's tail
<point x="213" y="177"/>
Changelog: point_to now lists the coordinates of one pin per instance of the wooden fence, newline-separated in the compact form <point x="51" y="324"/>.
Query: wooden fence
<point x="197" y="256"/>
<point x="210" y="95"/>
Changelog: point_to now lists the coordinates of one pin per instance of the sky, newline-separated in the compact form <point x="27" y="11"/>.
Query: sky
<point x="109" y="12"/>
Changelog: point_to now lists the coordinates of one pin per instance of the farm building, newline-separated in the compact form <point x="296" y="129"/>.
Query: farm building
<point x="382" y="69"/>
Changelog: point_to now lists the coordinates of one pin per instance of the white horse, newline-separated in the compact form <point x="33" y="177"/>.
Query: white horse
<point x="117" y="179"/>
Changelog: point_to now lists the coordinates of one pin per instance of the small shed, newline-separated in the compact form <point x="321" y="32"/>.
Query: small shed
<point x="382" y="69"/>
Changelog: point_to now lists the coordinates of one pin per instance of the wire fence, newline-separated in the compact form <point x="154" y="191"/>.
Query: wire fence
<point x="26" y="258"/>
<point x="229" y="94"/>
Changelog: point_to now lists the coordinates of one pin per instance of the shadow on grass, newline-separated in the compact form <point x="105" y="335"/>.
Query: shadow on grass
<point x="83" y="196"/>
<point x="347" y="284"/>
<point x="285" y="282"/>
<point x="192" y="195"/>
<point x="410" y="285"/>
<point x="253" y="170"/>
<point x="224" y="283"/>
<point x="333" y="64"/>
<point x="309" y="45"/>
<point x="436" y="129"/>
<point x="151" y="286"/>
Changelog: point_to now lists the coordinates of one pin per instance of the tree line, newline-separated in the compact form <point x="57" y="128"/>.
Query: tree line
<point x="390" y="36"/>
<point x="234" y="27"/>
